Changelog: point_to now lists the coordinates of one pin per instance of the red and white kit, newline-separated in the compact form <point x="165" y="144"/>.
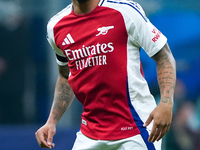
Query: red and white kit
<point x="103" y="53"/>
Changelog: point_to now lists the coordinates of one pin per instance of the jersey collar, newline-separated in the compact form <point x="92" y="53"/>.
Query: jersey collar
<point x="101" y="2"/>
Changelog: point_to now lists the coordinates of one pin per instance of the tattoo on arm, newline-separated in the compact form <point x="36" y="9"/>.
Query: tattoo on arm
<point x="63" y="96"/>
<point x="166" y="72"/>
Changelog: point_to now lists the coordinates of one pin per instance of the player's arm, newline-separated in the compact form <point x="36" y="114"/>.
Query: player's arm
<point x="166" y="74"/>
<point x="63" y="97"/>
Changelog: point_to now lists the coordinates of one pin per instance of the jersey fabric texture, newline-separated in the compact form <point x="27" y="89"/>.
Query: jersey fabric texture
<point x="103" y="53"/>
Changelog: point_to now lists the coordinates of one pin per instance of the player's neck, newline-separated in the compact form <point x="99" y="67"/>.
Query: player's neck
<point x="81" y="7"/>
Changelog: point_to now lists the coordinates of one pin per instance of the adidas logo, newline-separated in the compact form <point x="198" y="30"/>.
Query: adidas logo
<point x="68" y="40"/>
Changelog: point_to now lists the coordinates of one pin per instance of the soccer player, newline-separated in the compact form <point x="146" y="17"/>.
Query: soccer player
<point x="97" y="45"/>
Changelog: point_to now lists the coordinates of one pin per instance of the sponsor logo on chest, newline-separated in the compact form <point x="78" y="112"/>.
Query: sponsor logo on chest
<point x="89" y="55"/>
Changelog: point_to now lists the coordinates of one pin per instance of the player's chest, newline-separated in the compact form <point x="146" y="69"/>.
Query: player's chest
<point x="100" y="27"/>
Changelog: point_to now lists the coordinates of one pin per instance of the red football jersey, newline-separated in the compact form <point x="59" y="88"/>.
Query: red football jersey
<point x="103" y="52"/>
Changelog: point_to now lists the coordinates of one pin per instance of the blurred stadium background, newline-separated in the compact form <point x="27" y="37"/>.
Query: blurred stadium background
<point x="28" y="72"/>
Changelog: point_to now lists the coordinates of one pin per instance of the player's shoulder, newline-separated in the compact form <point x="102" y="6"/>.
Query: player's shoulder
<point x="56" y="18"/>
<point x="125" y="5"/>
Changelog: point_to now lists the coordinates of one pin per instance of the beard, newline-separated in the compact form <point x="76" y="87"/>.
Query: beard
<point x="82" y="1"/>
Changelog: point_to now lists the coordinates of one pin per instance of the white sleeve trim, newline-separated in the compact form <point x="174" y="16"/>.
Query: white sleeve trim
<point x="158" y="48"/>
<point x="60" y="63"/>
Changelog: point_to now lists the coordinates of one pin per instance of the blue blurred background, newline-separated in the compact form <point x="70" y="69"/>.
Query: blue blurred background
<point x="28" y="72"/>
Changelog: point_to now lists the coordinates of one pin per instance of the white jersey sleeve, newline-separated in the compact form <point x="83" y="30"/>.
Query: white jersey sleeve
<point x="143" y="33"/>
<point x="55" y="48"/>
<point x="50" y="38"/>
<point x="58" y="52"/>
<point x="50" y="34"/>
